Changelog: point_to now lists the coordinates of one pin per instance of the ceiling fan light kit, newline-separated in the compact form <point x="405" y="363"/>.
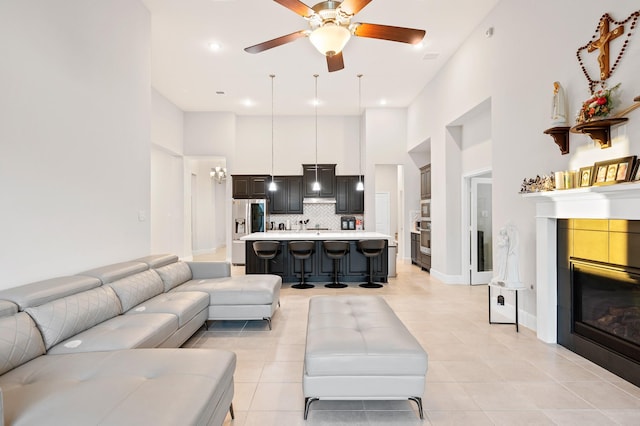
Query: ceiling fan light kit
<point x="330" y="38"/>
<point x="331" y="28"/>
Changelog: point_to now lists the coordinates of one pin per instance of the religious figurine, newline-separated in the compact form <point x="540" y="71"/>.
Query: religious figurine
<point x="558" y="106"/>
<point x="506" y="268"/>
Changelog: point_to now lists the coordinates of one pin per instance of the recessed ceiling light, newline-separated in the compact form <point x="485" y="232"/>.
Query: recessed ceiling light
<point x="383" y="101"/>
<point x="248" y="103"/>
<point x="419" y="46"/>
<point x="315" y="102"/>
<point x="214" y="46"/>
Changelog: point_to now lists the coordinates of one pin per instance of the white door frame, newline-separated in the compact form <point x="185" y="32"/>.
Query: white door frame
<point x="466" y="221"/>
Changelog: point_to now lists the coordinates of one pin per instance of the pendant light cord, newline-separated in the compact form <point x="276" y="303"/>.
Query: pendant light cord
<point x="360" y="127"/>
<point x="315" y="102"/>
<point x="272" y="103"/>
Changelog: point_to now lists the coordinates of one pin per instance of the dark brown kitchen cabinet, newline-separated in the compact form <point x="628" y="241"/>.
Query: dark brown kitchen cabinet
<point x="415" y="247"/>
<point x="249" y="186"/>
<point x="348" y="199"/>
<point x="425" y="182"/>
<point x="287" y="198"/>
<point x="326" y="178"/>
<point x="417" y="257"/>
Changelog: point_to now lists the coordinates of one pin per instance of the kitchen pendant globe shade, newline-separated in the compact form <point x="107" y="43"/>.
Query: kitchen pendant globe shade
<point x="272" y="186"/>
<point x="316" y="186"/>
<point x="330" y="39"/>
<point x="360" y="186"/>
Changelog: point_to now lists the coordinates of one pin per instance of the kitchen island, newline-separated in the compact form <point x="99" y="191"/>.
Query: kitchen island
<point x="319" y="267"/>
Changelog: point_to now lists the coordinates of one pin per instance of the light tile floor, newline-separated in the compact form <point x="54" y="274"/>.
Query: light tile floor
<point x="479" y="374"/>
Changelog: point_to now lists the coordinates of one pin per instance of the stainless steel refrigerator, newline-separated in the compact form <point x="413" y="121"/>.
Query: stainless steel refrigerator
<point x="249" y="216"/>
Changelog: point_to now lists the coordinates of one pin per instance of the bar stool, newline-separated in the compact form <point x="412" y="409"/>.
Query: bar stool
<point x="371" y="249"/>
<point x="301" y="250"/>
<point x="336" y="250"/>
<point x="266" y="250"/>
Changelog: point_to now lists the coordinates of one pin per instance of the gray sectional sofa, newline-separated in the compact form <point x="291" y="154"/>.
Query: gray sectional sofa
<point x="101" y="347"/>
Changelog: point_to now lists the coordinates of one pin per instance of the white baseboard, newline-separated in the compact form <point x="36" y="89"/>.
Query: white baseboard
<point x="447" y="279"/>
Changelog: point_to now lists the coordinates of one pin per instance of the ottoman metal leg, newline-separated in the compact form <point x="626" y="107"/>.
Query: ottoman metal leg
<point x="418" y="401"/>
<point x="307" y="404"/>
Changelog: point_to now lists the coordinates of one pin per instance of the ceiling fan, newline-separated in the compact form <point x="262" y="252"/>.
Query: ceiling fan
<point x="331" y="27"/>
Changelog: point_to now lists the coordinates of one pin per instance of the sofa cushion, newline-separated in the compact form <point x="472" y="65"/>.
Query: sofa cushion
<point x="20" y="341"/>
<point x="131" y="387"/>
<point x="7" y="308"/>
<point x="158" y="260"/>
<point x="184" y="305"/>
<point x="204" y="270"/>
<point x="121" y="332"/>
<point x="241" y="290"/>
<point x="137" y="288"/>
<point x="174" y="274"/>
<point x="41" y="292"/>
<point x="117" y="271"/>
<point x="65" y="317"/>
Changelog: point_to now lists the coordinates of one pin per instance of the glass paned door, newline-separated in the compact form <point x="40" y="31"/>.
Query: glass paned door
<point x="481" y="247"/>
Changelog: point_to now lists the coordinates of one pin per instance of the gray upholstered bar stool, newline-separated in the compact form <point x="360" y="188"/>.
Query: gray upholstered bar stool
<point x="336" y="250"/>
<point x="371" y="249"/>
<point x="302" y="250"/>
<point x="266" y="250"/>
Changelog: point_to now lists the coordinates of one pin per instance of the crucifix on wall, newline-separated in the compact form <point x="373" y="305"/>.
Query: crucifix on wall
<point x="602" y="44"/>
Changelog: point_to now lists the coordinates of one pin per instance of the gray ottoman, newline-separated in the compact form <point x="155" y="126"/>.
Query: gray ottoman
<point x="357" y="348"/>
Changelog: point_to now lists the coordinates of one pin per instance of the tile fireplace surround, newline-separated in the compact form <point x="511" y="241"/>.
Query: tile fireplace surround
<point x="621" y="201"/>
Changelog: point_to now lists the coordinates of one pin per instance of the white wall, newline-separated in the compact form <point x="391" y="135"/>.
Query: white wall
<point x="516" y="69"/>
<point x="386" y="135"/>
<point x="75" y="136"/>
<point x="295" y="144"/>
<point x="167" y="169"/>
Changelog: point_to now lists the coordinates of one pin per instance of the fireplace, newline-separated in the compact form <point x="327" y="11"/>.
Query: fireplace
<point x="599" y="293"/>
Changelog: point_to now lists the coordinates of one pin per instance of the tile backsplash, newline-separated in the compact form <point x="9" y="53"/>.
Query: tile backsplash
<point x="319" y="215"/>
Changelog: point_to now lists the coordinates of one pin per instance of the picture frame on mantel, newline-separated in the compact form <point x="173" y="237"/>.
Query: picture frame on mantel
<point x="585" y="176"/>
<point x="613" y="171"/>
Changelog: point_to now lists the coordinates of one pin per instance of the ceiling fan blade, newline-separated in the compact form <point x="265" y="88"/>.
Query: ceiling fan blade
<point x="276" y="42"/>
<point x="335" y="62"/>
<point x="351" y="7"/>
<point x="386" y="32"/>
<point x="297" y="7"/>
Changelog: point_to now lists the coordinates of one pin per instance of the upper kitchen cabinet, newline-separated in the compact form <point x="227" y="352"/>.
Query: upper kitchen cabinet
<point x="326" y="177"/>
<point x="425" y="182"/>
<point x="287" y="198"/>
<point x="348" y="199"/>
<point x="249" y="186"/>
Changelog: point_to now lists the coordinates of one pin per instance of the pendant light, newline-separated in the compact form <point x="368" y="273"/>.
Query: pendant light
<point x="272" y="184"/>
<point x="360" y="184"/>
<point x="316" y="184"/>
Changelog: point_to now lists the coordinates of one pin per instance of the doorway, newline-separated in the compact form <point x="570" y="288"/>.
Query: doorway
<point x="479" y="238"/>
<point x="383" y="213"/>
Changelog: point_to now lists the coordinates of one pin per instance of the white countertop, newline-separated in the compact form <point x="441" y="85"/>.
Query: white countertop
<point x="315" y="235"/>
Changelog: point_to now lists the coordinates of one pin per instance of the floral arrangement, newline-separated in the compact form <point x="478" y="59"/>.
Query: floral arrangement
<point x="599" y="105"/>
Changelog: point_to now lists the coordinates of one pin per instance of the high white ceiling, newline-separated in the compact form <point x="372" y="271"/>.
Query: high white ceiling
<point x="189" y="73"/>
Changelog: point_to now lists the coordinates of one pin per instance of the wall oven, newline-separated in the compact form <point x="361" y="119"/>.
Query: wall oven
<point x="425" y="226"/>
<point x="425" y="209"/>
<point x="425" y="236"/>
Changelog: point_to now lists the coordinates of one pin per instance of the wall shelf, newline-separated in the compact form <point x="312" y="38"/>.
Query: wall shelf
<point x="560" y="136"/>
<point x="599" y="130"/>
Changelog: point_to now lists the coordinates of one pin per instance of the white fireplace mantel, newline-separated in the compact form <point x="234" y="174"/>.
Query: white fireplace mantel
<point x="620" y="201"/>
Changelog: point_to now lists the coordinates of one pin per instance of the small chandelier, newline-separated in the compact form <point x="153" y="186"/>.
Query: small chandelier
<point x="219" y="174"/>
